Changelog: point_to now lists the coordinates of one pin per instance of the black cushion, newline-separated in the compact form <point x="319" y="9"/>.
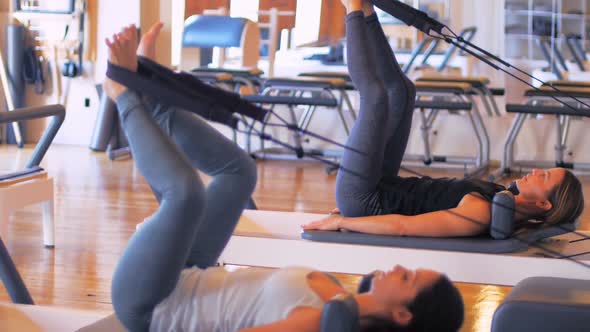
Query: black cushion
<point x="543" y="304"/>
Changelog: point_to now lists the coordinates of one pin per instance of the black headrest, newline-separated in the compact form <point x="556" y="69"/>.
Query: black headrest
<point x="502" y="222"/>
<point x="340" y="314"/>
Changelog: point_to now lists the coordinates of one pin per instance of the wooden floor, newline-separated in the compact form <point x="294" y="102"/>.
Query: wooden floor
<point x="99" y="202"/>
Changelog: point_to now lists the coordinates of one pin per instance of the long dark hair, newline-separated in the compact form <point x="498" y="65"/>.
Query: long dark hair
<point x="436" y="308"/>
<point x="567" y="200"/>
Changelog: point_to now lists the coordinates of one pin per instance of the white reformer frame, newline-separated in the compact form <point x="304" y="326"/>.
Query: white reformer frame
<point x="272" y="239"/>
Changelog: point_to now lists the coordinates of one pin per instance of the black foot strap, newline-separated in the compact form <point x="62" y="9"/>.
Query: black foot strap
<point x="185" y="91"/>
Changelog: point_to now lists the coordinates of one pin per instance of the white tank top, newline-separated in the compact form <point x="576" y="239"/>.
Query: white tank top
<point x="215" y="300"/>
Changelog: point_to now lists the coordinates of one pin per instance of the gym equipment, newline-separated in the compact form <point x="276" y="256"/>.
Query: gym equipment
<point x="338" y="315"/>
<point x="434" y="95"/>
<point x="233" y="79"/>
<point x="466" y="34"/>
<point x="13" y="84"/>
<point x="479" y="85"/>
<point x="273" y="239"/>
<point x="298" y="135"/>
<point x="537" y="104"/>
<point x="314" y="93"/>
<point x="574" y="45"/>
<point x="181" y="89"/>
<point x="32" y="185"/>
<point x="209" y="31"/>
<point x="543" y="304"/>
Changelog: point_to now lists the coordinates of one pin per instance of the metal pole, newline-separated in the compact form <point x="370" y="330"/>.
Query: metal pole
<point x="9" y="100"/>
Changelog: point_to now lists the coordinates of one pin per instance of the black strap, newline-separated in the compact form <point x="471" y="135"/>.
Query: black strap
<point x="33" y="70"/>
<point x="185" y="91"/>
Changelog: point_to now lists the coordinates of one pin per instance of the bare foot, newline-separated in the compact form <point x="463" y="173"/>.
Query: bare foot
<point x="352" y="5"/>
<point x="147" y="45"/>
<point x="368" y="8"/>
<point x="122" y="52"/>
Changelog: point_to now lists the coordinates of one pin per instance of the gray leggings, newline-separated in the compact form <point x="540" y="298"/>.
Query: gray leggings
<point x="193" y="223"/>
<point x="383" y="126"/>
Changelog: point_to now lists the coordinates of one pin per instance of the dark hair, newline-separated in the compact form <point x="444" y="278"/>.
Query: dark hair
<point x="437" y="308"/>
<point x="567" y="200"/>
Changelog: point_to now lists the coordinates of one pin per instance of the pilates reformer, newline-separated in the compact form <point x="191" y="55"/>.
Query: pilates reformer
<point x="577" y="51"/>
<point x="295" y="122"/>
<point x="560" y="68"/>
<point x="467" y="34"/>
<point x="274" y="239"/>
<point x="238" y="79"/>
<point x="338" y="315"/>
<point x="479" y="85"/>
<point x="449" y="94"/>
<point x="536" y="105"/>
<point x="310" y="93"/>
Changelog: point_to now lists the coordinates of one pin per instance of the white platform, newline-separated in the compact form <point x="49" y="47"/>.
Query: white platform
<point x="33" y="318"/>
<point x="272" y="239"/>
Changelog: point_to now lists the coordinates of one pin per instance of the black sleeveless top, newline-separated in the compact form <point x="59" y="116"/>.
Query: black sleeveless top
<point x="412" y="196"/>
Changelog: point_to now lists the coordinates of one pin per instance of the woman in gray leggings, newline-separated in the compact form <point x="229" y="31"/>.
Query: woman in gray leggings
<point x="165" y="280"/>
<point x="373" y="198"/>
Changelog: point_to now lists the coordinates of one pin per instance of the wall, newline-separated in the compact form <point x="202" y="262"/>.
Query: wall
<point x="332" y="28"/>
<point x="79" y="124"/>
<point x="285" y="22"/>
<point x="487" y="16"/>
<point x="195" y="7"/>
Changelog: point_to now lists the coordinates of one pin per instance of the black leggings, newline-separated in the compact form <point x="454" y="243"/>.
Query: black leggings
<point x="380" y="135"/>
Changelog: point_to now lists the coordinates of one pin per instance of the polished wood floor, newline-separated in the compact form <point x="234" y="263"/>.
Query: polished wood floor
<point x="99" y="202"/>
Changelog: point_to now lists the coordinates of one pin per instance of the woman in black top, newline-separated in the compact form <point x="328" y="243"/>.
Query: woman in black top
<point x="370" y="195"/>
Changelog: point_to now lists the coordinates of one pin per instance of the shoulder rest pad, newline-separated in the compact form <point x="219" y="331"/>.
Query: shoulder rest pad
<point x="340" y="314"/>
<point x="502" y="222"/>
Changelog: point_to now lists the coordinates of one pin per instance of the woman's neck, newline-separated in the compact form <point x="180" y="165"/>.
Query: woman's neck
<point x="524" y="209"/>
<point x="369" y="307"/>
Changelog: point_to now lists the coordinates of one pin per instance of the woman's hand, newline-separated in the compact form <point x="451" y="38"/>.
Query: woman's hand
<point x="330" y="223"/>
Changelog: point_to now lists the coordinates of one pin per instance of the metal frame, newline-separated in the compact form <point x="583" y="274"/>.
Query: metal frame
<point x="58" y="113"/>
<point x="304" y="120"/>
<point x="562" y="126"/>
<point x="577" y="51"/>
<point x="8" y="273"/>
<point x="481" y="160"/>
<point x="11" y="279"/>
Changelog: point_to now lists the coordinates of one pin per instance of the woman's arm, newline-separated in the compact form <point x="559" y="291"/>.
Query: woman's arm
<point x="470" y="218"/>
<point x="300" y="320"/>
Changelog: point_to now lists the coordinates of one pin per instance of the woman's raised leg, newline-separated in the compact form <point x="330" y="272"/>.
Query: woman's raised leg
<point x="232" y="170"/>
<point x="401" y="93"/>
<point x="156" y="254"/>
<point x="233" y="179"/>
<point x="361" y="166"/>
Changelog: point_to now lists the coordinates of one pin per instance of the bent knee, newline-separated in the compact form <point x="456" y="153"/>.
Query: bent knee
<point x="249" y="174"/>
<point x="402" y="90"/>
<point x="355" y="203"/>
<point x="187" y="188"/>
